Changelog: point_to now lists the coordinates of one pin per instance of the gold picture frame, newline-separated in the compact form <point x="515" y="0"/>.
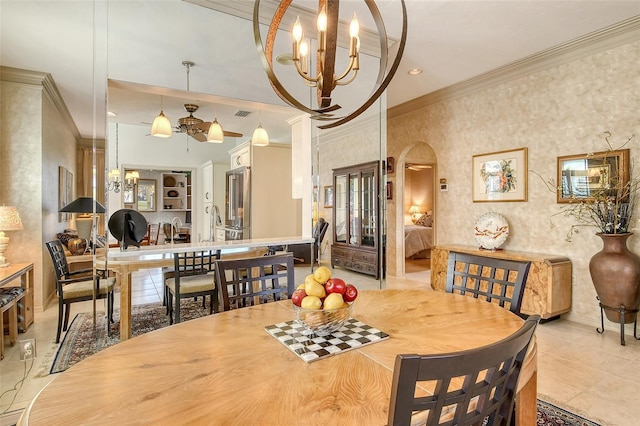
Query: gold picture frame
<point x="328" y="197"/>
<point x="500" y="176"/>
<point x="65" y="192"/>
<point x="582" y="176"/>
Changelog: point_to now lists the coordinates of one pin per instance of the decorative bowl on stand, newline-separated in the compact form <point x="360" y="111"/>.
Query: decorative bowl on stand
<point x="322" y="321"/>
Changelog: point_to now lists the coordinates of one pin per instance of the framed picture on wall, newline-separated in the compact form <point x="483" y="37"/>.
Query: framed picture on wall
<point x="65" y="192"/>
<point x="586" y="176"/>
<point x="328" y="197"/>
<point x="500" y="176"/>
<point x="389" y="191"/>
<point x="391" y="165"/>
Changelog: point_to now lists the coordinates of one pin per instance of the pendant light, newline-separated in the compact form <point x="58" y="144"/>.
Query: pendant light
<point x="215" y="134"/>
<point x="161" y="126"/>
<point x="260" y="137"/>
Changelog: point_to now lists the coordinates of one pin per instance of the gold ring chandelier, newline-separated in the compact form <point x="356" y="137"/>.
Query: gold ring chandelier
<point x="326" y="80"/>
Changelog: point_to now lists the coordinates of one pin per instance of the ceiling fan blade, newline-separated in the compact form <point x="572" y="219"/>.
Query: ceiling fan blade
<point x="232" y="134"/>
<point x="199" y="136"/>
<point x="204" y="126"/>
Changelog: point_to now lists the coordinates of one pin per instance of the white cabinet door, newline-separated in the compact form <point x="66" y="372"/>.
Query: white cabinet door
<point x="207" y="182"/>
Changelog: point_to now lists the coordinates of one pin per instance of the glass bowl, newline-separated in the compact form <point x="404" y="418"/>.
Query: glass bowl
<point x="322" y="321"/>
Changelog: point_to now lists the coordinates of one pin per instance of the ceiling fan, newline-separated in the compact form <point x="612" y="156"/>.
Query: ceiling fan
<point x="196" y="127"/>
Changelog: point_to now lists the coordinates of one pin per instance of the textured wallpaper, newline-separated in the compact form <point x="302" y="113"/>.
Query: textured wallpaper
<point x="560" y="111"/>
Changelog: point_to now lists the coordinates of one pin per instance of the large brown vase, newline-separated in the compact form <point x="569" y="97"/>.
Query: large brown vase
<point x="615" y="272"/>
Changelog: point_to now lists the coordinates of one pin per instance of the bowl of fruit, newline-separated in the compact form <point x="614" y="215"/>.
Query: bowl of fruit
<point x="323" y="304"/>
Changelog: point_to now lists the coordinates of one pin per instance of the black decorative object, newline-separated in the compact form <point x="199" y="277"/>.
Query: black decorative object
<point x="128" y="226"/>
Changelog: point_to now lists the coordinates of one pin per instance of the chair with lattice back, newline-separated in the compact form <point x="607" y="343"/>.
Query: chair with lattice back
<point x="192" y="276"/>
<point x="495" y="280"/>
<point x="245" y="282"/>
<point x="472" y="387"/>
<point x="77" y="286"/>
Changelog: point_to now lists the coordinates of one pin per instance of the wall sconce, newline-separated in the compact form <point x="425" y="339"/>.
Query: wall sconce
<point x="9" y="221"/>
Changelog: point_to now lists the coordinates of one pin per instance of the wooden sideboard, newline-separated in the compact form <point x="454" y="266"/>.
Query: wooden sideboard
<point x="547" y="289"/>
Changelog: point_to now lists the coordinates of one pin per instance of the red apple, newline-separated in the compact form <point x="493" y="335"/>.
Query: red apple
<point x="335" y="285"/>
<point x="297" y="296"/>
<point x="350" y="293"/>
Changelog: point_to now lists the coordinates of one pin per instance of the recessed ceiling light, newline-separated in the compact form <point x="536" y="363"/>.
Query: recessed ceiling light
<point x="415" y="71"/>
<point x="111" y="114"/>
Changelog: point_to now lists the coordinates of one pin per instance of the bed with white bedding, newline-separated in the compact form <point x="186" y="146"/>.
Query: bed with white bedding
<point x="418" y="241"/>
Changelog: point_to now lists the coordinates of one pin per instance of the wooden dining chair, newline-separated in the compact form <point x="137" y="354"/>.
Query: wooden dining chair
<point x="499" y="281"/>
<point x="77" y="286"/>
<point x="192" y="276"/>
<point x="249" y="281"/>
<point x="473" y="387"/>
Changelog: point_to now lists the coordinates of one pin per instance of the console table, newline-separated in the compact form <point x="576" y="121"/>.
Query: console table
<point x="547" y="291"/>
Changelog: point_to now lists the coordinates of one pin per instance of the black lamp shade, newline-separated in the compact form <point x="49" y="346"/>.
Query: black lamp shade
<point x="83" y="205"/>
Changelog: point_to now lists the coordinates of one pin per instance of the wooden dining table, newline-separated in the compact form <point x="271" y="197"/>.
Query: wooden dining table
<point x="226" y="369"/>
<point x="123" y="263"/>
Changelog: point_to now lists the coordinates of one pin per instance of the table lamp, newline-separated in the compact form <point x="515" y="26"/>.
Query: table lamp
<point x="414" y="211"/>
<point x="9" y="221"/>
<point x="84" y="222"/>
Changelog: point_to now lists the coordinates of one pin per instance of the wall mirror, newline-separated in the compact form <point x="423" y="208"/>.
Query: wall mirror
<point x="593" y="175"/>
<point x="146" y="195"/>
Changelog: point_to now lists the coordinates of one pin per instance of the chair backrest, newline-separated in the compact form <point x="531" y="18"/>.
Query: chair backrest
<point x="245" y="282"/>
<point x="319" y="230"/>
<point x="495" y="280"/>
<point x="485" y="377"/>
<point x="59" y="259"/>
<point x="194" y="263"/>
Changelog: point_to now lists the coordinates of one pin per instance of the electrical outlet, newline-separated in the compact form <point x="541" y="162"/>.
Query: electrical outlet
<point x="27" y="349"/>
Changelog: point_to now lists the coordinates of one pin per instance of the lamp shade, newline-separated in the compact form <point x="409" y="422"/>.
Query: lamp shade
<point x="9" y="219"/>
<point x="260" y="137"/>
<point x="216" y="134"/>
<point x="161" y="126"/>
<point x="83" y="205"/>
<point x="414" y="210"/>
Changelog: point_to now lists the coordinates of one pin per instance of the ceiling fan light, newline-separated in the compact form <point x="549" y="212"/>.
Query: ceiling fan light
<point x="161" y="126"/>
<point x="260" y="137"/>
<point x="215" y="134"/>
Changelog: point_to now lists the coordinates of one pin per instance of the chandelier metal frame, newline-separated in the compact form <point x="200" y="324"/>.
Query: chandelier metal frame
<point x="325" y="111"/>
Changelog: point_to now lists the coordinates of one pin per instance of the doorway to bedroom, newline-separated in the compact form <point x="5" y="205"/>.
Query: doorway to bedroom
<point x="418" y="203"/>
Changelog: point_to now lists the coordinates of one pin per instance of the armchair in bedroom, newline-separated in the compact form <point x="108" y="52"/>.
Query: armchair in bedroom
<point x="302" y="252"/>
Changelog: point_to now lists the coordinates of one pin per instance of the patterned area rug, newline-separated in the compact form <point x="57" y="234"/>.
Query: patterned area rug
<point x="551" y="415"/>
<point x="81" y="340"/>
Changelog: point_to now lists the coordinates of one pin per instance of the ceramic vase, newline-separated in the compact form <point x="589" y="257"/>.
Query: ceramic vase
<point x="615" y="272"/>
<point x="77" y="246"/>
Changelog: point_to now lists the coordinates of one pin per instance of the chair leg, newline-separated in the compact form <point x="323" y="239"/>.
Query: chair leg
<point x="67" y="307"/>
<point x="60" y="313"/>
<point x="176" y="309"/>
<point x="170" y="306"/>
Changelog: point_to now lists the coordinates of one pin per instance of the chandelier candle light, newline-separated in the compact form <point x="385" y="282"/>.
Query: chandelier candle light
<point x="9" y="221"/>
<point x="325" y="77"/>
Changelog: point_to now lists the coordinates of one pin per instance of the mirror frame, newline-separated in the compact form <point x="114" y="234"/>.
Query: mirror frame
<point x="146" y="183"/>
<point x="614" y="163"/>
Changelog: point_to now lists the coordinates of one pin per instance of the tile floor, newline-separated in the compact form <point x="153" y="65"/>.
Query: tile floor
<point x="578" y="369"/>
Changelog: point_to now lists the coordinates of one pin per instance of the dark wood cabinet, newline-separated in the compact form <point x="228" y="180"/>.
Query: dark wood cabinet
<point x="356" y="218"/>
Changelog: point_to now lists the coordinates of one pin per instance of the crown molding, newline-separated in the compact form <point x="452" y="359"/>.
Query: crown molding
<point x="369" y="40"/>
<point x="624" y="32"/>
<point x="45" y="80"/>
